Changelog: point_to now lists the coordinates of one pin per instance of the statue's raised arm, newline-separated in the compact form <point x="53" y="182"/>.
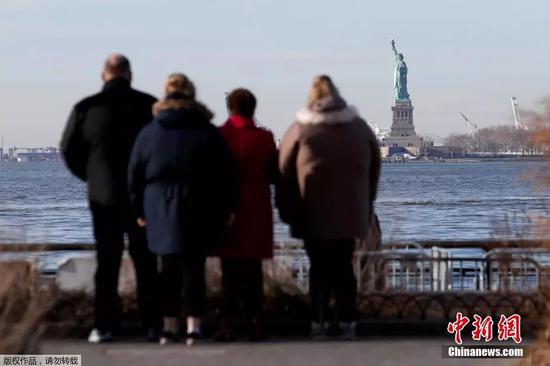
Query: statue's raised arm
<point x="393" y="47"/>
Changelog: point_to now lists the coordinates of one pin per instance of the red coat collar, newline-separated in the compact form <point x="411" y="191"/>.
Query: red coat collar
<point x="240" y="121"/>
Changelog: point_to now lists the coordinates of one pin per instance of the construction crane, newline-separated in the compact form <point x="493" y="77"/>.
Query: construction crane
<point x="472" y="127"/>
<point x="515" y="111"/>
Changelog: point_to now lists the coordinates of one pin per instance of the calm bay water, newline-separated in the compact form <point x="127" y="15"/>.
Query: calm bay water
<point x="42" y="203"/>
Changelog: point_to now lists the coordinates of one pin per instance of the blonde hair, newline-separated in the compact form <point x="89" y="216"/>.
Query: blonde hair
<point x="322" y="88"/>
<point x="178" y="83"/>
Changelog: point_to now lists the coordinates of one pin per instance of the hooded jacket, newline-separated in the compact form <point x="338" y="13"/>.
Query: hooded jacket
<point x="330" y="164"/>
<point x="182" y="178"/>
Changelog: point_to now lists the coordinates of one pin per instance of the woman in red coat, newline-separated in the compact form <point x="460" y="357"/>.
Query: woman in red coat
<point x="249" y="239"/>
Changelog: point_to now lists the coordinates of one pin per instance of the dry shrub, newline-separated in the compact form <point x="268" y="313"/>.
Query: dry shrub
<point x="24" y="303"/>
<point x="278" y="279"/>
<point x="539" y="122"/>
<point x="73" y="312"/>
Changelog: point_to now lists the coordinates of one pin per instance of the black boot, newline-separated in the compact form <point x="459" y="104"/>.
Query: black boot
<point x="225" y="333"/>
<point x="257" y="330"/>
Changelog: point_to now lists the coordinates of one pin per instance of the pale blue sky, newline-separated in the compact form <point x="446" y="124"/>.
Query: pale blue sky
<point x="468" y="56"/>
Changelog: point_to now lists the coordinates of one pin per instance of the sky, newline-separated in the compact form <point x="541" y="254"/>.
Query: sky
<point x="463" y="56"/>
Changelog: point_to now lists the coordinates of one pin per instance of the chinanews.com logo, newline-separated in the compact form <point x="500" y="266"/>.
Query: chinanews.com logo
<point x="508" y="330"/>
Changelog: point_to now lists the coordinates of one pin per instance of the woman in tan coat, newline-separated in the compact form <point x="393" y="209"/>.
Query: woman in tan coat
<point x="330" y="165"/>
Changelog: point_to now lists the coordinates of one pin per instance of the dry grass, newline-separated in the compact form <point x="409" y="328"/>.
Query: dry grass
<point x="24" y="304"/>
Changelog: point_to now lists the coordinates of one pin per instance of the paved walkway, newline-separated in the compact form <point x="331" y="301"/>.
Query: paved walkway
<point x="378" y="351"/>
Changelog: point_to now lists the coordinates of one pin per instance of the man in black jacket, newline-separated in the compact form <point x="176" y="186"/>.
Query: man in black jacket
<point x="96" y="146"/>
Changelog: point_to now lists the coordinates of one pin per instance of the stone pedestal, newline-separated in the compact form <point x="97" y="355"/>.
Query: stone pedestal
<point x="402" y="121"/>
<point x="402" y="138"/>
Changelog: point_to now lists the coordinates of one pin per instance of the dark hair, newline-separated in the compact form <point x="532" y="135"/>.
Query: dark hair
<point x="241" y="102"/>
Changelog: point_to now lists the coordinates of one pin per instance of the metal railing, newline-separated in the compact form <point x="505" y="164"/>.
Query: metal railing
<point x="405" y="267"/>
<point x="414" y="268"/>
<point x="420" y="272"/>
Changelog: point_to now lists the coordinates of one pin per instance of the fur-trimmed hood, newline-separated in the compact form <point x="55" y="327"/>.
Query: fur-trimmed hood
<point x="182" y="104"/>
<point x="309" y="116"/>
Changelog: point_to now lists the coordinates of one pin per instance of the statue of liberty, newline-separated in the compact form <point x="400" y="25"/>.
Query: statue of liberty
<point x="400" y="75"/>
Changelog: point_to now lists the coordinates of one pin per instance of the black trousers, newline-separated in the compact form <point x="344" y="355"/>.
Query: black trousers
<point x="331" y="272"/>
<point x="110" y="224"/>
<point x="242" y="285"/>
<point x="183" y="272"/>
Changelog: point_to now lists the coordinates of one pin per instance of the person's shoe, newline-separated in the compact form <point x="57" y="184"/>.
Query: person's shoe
<point x="257" y="332"/>
<point x="318" y="331"/>
<point x="167" y="338"/>
<point x="348" y="331"/>
<point x="224" y="335"/>
<point x="97" y="336"/>
<point x="192" y="338"/>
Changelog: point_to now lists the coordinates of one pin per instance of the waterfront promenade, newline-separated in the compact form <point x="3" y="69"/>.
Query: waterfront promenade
<point x="403" y="323"/>
<point x="391" y="351"/>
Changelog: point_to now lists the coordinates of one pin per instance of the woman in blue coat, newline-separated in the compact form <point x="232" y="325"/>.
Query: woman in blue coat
<point x="183" y="186"/>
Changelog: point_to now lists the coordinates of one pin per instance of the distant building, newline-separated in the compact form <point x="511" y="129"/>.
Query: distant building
<point x="378" y="131"/>
<point x="23" y="154"/>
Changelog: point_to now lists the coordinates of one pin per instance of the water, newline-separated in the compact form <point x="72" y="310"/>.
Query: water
<point x="460" y="201"/>
<point x="43" y="203"/>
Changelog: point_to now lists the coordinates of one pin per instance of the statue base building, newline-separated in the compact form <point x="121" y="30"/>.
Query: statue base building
<point x="402" y="138"/>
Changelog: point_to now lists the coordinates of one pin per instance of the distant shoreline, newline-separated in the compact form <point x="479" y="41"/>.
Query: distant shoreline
<point x="389" y="160"/>
<point x="468" y="160"/>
